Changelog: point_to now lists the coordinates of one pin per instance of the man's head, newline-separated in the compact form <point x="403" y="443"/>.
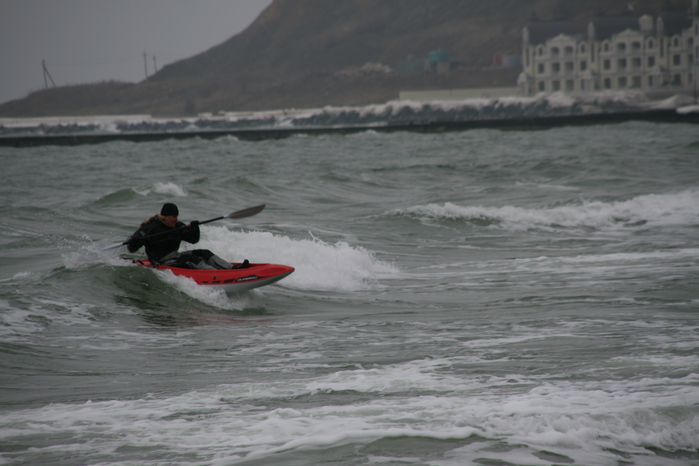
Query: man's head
<point x="170" y="212"/>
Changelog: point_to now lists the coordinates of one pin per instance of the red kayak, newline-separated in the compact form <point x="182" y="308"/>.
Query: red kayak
<point x="231" y="280"/>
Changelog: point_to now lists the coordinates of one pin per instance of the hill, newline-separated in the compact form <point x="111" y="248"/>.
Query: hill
<point x="311" y="53"/>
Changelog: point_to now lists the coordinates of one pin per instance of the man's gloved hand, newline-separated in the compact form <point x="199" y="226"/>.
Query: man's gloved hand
<point x="194" y="224"/>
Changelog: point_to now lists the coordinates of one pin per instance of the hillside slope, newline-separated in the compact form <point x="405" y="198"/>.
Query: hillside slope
<point x="310" y="53"/>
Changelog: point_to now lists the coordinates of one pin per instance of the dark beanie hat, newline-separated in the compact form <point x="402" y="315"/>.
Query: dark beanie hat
<point x="169" y="209"/>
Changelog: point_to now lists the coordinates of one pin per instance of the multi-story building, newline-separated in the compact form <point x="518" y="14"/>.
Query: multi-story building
<point x="616" y="53"/>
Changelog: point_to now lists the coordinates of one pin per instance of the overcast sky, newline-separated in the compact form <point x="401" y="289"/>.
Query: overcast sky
<point x="87" y="41"/>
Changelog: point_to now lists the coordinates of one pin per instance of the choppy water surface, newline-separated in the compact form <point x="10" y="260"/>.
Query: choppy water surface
<point x="479" y="297"/>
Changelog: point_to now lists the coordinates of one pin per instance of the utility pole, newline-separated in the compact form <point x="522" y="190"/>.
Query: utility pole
<point x="46" y="73"/>
<point x="145" y="64"/>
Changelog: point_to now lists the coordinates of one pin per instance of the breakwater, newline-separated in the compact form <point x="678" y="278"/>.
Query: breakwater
<point x="543" y="111"/>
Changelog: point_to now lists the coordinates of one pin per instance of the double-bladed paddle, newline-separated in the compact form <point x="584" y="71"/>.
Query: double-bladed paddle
<point x="249" y="212"/>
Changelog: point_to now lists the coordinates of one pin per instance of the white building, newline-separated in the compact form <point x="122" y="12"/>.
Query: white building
<point x="617" y="53"/>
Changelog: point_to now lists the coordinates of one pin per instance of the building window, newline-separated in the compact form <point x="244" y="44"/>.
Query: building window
<point x="636" y="62"/>
<point x="621" y="64"/>
<point x="607" y="64"/>
<point x="570" y="85"/>
<point x="676" y="59"/>
<point x="540" y="68"/>
<point x="676" y="42"/>
<point x="636" y="81"/>
<point x="540" y="51"/>
<point x="569" y="67"/>
<point x="651" y="44"/>
<point x="605" y="47"/>
<point x="607" y="83"/>
<point x="583" y="49"/>
<point x="555" y="51"/>
<point x="621" y="47"/>
<point x="622" y="82"/>
<point x="677" y="79"/>
<point x="583" y="65"/>
<point x="555" y="67"/>
<point x="541" y="86"/>
<point x="556" y="85"/>
<point x="651" y="62"/>
<point x="650" y="81"/>
<point x="635" y="46"/>
<point x="690" y="59"/>
<point x="568" y="50"/>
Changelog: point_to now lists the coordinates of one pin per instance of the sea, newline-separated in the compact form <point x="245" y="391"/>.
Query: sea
<point x="479" y="297"/>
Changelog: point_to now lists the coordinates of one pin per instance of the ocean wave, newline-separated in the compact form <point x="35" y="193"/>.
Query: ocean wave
<point x="642" y="211"/>
<point x="505" y="417"/>
<point x="116" y="197"/>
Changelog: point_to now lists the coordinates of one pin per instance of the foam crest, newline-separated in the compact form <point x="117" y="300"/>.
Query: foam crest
<point x="169" y="188"/>
<point x="652" y="209"/>
<point x="319" y="265"/>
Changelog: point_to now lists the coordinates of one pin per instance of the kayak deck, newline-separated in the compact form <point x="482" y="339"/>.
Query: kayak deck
<point x="230" y="280"/>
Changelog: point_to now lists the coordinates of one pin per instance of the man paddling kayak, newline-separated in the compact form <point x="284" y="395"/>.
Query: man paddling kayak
<point x="161" y="235"/>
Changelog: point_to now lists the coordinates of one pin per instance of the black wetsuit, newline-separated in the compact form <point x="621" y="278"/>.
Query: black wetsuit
<point x="167" y="241"/>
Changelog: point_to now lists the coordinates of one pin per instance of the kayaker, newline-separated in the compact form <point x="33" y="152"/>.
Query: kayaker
<point x="161" y="235"/>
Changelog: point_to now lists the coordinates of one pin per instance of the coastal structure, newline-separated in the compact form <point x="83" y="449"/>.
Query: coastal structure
<point x="622" y="52"/>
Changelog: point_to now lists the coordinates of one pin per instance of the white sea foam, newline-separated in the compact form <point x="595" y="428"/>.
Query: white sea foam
<point x="163" y="188"/>
<point x="319" y="265"/>
<point x="651" y="210"/>
<point x="584" y="421"/>
<point x="170" y="188"/>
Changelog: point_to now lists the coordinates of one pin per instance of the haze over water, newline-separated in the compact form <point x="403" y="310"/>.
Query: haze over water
<point x="479" y="297"/>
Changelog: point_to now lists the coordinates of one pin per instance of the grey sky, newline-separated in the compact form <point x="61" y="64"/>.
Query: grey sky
<point x="87" y="41"/>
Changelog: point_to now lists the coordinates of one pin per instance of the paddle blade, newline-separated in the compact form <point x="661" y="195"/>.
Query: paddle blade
<point x="249" y="212"/>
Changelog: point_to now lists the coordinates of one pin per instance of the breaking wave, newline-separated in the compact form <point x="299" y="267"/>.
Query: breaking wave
<point x="647" y="210"/>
